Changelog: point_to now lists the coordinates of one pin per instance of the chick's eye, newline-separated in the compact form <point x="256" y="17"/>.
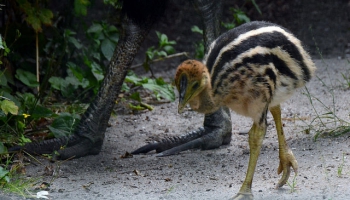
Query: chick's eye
<point x="195" y="86"/>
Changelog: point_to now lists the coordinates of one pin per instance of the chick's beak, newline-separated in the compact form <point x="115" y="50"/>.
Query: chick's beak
<point x="182" y="94"/>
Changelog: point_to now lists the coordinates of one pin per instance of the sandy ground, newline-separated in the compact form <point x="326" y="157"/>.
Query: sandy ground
<point x="213" y="174"/>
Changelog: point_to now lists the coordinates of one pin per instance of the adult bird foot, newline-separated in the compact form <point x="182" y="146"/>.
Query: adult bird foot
<point x="73" y="146"/>
<point x="287" y="160"/>
<point x="217" y="131"/>
<point x="80" y="149"/>
<point x="243" y="196"/>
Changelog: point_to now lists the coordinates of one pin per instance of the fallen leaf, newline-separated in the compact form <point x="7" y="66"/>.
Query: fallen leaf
<point x="137" y="172"/>
<point x="126" y="155"/>
<point x="42" y="195"/>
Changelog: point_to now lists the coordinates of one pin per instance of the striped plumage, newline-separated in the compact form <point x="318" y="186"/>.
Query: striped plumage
<point x="250" y="69"/>
<point x="254" y="64"/>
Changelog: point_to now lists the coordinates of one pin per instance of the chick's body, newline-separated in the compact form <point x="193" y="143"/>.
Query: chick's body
<point x="250" y="69"/>
<point x="251" y="66"/>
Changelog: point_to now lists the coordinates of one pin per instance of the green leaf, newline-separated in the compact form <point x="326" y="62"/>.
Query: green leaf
<point x="34" y="22"/>
<point x="196" y="29"/>
<point x="160" y="88"/>
<point x="40" y="111"/>
<point x="3" y="79"/>
<point x="3" y="150"/>
<point x="64" y="124"/>
<point x="75" y="42"/>
<point x="27" y="78"/>
<point x="169" y="49"/>
<point x="8" y="107"/>
<point x="77" y="71"/>
<point x="132" y="78"/>
<point x="95" y="28"/>
<point x="3" y="174"/>
<point x="56" y="82"/>
<point x="161" y="54"/>
<point x="97" y="71"/>
<point x="45" y="16"/>
<point x="136" y="96"/>
<point x="4" y="46"/>
<point x="80" y="7"/>
<point x="107" y="48"/>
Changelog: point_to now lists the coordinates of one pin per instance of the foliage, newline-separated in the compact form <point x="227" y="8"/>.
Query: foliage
<point x="72" y="64"/>
<point x="165" y="47"/>
<point x="328" y="123"/>
<point x="199" y="46"/>
<point x="80" y="7"/>
<point x="85" y="70"/>
<point x="4" y="176"/>
<point x="35" y="14"/>
<point x="4" y="51"/>
<point x="159" y="87"/>
<point x="239" y="17"/>
<point x="64" y="124"/>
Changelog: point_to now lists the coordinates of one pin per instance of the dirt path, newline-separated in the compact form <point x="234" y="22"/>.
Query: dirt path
<point x="214" y="174"/>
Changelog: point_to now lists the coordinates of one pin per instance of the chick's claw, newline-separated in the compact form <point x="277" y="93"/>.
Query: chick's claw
<point x="287" y="161"/>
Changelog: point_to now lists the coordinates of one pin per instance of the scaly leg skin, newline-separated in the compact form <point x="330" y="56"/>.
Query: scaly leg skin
<point x="287" y="159"/>
<point x="217" y="128"/>
<point x="256" y="136"/>
<point x="138" y="18"/>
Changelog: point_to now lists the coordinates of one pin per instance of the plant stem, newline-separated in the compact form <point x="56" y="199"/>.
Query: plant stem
<point x="37" y="58"/>
<point x="160" y="59"/>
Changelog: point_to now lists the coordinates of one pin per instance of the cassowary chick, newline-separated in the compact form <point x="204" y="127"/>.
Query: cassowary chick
<point x="250" y="69"/>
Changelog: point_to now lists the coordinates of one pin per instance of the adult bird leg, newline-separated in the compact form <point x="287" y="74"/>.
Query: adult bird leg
<point x="217" y="126"/>
<point x="287" y="159"/>
<point x="138" y="18"/>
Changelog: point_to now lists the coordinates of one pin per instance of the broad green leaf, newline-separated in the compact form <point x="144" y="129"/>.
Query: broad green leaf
<point x="160" y="87"/>
<point x="4" y="173"/>
<point x="80" y="7"/>
<point x="161" y="54"/>
<point x="125" y="87"/>
<point x="45" y="16"/>
<point x="114" y="37"/>
<point x="132" y="78"/>
<point x="56" y="82"/>
<point x="95" y="28"/>
<point x="34" y="22"/>
<point x="40" y="111"/>
<point x="169" y="49"/>
<point x="27" y="78"/>
<point x="64" y="124"/>
<point x="8" y="107"/>
<point x="107" y="48"/>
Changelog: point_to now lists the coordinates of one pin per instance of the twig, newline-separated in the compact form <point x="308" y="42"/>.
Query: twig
<point x="37" y="58"/>
<point x="161" y="59"/>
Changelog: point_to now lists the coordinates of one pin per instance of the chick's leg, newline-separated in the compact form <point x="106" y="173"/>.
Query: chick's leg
<point x="256" y="136"/>
<point x="287" y="159"/>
